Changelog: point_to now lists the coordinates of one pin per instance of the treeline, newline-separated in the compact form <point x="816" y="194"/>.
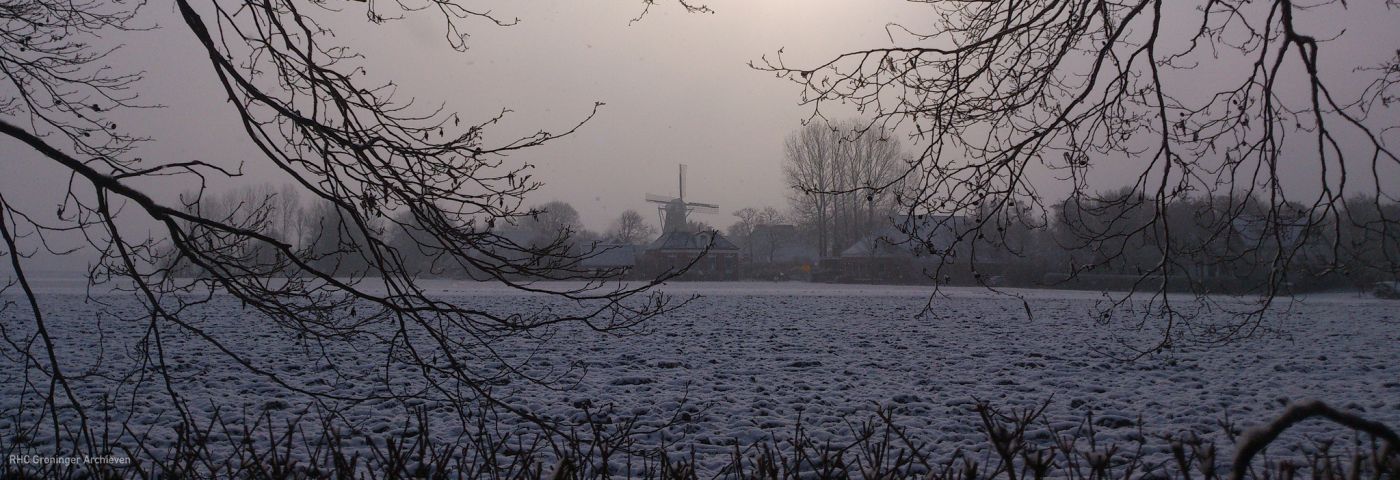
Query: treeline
<point x="1118" y="239"/>
<point x="849" y="181"/>
<point x="1124" y="239"/>
<point x="1212" y="243"/>
<point x="326" y="237"/>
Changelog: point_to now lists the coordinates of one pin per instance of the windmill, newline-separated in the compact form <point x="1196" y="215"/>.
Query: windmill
<point x="673" y="210"/>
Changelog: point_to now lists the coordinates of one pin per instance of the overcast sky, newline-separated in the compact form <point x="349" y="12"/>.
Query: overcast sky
<point x="677" y="88"/>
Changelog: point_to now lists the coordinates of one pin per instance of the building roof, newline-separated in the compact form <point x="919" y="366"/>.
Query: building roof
<point x="612" y="256"/>
<point x="692" y="241"/>
<point x="779" y="244"/>
<point x="911" y="235"/>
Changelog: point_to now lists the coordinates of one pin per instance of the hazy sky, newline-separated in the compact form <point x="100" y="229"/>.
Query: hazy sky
<point x="677" y="88"/>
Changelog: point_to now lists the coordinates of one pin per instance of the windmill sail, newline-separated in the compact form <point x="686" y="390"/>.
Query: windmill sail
<point x="652" y="197"/>
<point x="675" y="210"/>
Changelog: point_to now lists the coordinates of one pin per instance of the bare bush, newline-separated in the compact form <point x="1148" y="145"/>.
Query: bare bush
<point x="1012" y="444"/>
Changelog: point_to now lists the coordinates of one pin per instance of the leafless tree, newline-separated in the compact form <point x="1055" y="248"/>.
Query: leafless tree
<point x="843" y="180"/>
<point x="752" y="232"/>
<point x="698" y="226"/>
<point x="749" y="218"/>
<point x="808" y="167"/>
<point x="554" y="218"/>
<point x="370" y="166"/>
<point x="630" y="228"/>
<point x="1223" y="99"/>
<point x="554" y="225"/>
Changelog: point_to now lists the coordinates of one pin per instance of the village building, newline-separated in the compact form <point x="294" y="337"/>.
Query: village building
<point x="612" y="257"/>
<point x="1251" y="237"/>
<point x="924" y="248"/>
<point x="778" y="252"/>
<point x="714" y="257"/>
<point x="779" y="245"/>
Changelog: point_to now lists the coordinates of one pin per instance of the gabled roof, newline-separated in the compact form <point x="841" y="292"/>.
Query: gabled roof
<point x="612" y="256"/>
<point x="779" y="244"/>
<point x="911" y="236"/>
<point x="692" y="241"/>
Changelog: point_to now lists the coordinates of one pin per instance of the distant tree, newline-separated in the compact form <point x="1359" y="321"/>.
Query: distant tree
<point x="844" y="181"/>
<point x="809" y="168"/>
<point x="1104" y="228"/>
<point x="1005" y="94"/>
<point x="1023" y="247"/>
<point x="553" y="219"/>
<point x="1368" y="243"/>
<point x="692" y="225"/>
<point x="630" y="228"/>
<point x="749" y="218"/>
<point x="333" y="243"/>
<point x="760" y="243"/>
<point x="541" y="224"/>
<point x="417" y="250"/>
<point x="275" y="211"/>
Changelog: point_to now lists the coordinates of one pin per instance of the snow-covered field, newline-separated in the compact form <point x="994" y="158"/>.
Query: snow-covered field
<point x="744" y="360"/>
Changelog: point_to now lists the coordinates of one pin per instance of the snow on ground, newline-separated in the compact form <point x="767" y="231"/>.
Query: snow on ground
<point x="746" y="359"/>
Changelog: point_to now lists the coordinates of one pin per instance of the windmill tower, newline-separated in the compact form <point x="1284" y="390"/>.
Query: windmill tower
<point x="674" y="211"/>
